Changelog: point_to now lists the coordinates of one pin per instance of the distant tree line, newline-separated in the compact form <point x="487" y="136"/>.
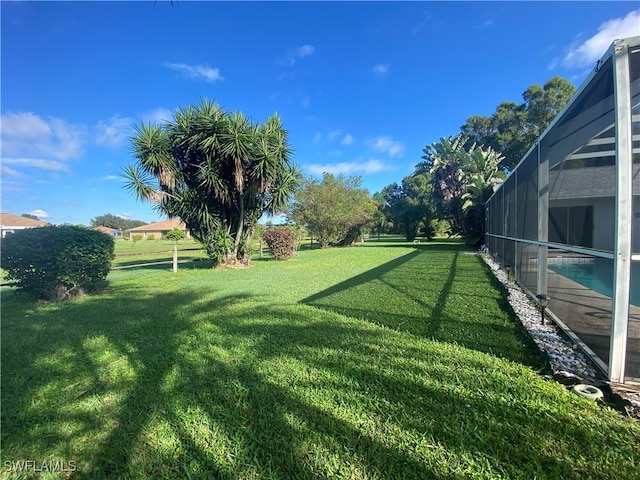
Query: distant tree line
<point x="219" y="172"/>
<point x="114" y="221"/>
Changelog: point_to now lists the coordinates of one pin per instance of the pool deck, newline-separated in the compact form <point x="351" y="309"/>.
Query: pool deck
<point x="588" y="314"/>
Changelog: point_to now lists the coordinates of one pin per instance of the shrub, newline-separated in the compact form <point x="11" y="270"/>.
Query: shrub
<point x="218" y="246"/>
<point x="136" y="238"/>
<point x="174" y="235"/>
<point x="151" y="236"/>
<point x="281" y="242"/>
<point x="300" y="233"/>
<point x="57" y="262"/>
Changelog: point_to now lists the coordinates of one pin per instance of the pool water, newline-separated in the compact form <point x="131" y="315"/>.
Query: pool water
<point x="598" y="276"/>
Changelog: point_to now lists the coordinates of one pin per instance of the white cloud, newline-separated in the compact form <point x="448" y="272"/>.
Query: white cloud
<point x="590" y="50"/>
<point x="28" y="135"/>
<point x="114" y="132"/>
<point x="292" y="56"/>
<point x="304" y="51"/>
<point x="157" y="116"/>
<point x="126" y="216"/>
<point x="348" y="168"/>
<point x="9" y="172"/>
<point x="196" y="72"/>
<point x="425" y="20"/>
<point x="111" y="177"/>
<point x="36" y="163"/>
<point x="24" y="125"/>
<point x="39" y="213"/>
<point x="332" y="135"/>
<point x="381" y="70"/>
<point x="386" y="144"/>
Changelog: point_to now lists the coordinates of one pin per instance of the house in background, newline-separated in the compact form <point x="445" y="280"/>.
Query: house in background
<point x="114" y="232"/>
<point x="9" y="223"/>
<point x="159" y="229"/>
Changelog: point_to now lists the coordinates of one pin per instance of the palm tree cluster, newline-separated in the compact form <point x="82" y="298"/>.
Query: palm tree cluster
<point x="463" y="178"/>
<point x="218" y="171"/>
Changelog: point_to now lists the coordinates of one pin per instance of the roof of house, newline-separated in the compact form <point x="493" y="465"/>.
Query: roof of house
<point x="161" y="226"/>
<point x="587" y="182"/>
<point x="105" y="229"/>
<point x="10" y="220"/>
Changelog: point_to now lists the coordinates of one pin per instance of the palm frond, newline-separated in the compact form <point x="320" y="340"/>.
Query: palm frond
<point x="140" y="183"/>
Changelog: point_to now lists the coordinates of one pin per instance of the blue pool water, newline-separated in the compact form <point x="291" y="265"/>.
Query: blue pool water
<point x="598" y="276"/>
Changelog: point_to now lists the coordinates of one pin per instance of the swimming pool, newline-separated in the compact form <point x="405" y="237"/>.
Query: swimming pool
<point x="597" y="275"/>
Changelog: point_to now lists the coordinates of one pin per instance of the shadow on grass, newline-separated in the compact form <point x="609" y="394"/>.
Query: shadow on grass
<point x="437" y="291"/>
<point x="198" y="384"/>
<point x="194" y="384"/>
<point x="164" y="264"/>
<point x="157" y="417"/>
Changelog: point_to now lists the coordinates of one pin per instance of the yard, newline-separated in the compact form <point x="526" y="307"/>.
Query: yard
<point x="384" y="360"/>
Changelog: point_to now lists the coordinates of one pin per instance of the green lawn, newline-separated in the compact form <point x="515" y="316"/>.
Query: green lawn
<point x="145" y="251"/>
<point x="385" y="360"/>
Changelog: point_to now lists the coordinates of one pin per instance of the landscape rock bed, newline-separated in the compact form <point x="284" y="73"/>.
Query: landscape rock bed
<point x="567" y="361"/>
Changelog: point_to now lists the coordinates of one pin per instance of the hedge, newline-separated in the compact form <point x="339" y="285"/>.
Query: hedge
<point x="58" y="261"/>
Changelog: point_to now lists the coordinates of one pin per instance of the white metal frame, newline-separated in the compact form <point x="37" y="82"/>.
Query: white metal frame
<point x="622" y="254"/>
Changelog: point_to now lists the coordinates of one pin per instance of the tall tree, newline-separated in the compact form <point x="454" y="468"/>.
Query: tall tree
<point x="381" y="223"/>
<point x="217" y="171"/>
<point x="444" y="161"/>
<point x="482" y="175"/>
<point x="513" y="128"/>
<point x="463" y="180"/>
<point x="410" y="205"/>
<point x="114" y="221"/>
<point x="335" y="209"/>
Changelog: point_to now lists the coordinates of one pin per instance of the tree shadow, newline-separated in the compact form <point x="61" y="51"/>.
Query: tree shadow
<point x="425" y="293"/>
<point x="201" y="384"/>
<point x="164" y="264"/>
<point x="186" y="384"/>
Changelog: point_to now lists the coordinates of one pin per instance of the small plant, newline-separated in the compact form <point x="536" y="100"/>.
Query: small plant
<point x="151" y="236"/>
<point x="218" y="246"/>
<point x="57" y="262"/>
<point x="136" y="238"/>
<point x="175" y="236"/>
<point x="281" y="242"/>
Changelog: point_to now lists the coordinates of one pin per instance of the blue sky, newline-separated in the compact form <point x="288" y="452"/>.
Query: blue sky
<point x="362" y="87"/>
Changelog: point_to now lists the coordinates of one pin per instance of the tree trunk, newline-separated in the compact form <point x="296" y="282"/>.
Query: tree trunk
<point x="239" y="232"/>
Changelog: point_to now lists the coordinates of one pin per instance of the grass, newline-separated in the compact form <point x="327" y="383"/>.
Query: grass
<point x="129" y="253"/>
<point x="387" y="360"/>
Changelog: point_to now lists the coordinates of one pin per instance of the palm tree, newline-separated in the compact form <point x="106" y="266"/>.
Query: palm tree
<point x="217" y="171"/>
<point x="444" y="161"/>
<point x="464" y="179"/>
